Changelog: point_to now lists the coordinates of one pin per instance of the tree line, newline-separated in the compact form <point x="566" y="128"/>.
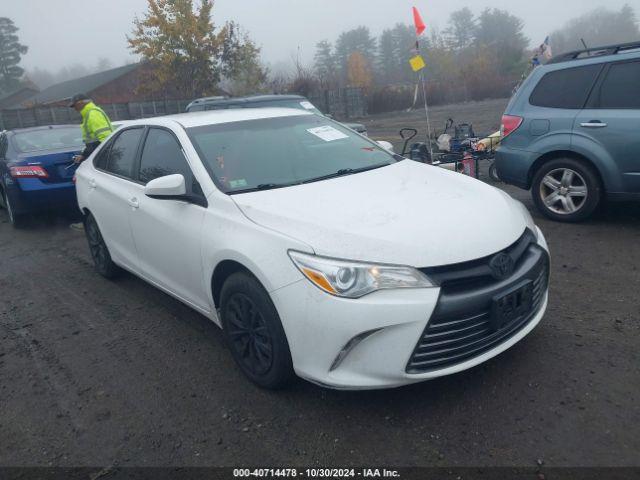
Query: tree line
<point x="476" y="56"/>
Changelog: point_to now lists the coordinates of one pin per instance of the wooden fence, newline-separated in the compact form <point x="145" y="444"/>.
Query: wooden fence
<point x="33" y="117"/>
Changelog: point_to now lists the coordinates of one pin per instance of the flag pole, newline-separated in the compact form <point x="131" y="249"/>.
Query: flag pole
<point x="420" y="65"/>
<point x="426" y="112"/>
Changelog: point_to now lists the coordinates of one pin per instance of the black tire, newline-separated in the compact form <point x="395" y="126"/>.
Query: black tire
<point x="99" y="251"/>
<point x="493" y="172"/>
<point x="14" y="219"/>
<point x="570" y="198"/>
<point x="254" y="333"/>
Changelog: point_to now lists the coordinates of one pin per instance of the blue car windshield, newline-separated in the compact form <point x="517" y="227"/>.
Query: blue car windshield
<point x="48" y="139"/>
<point x="280" y="152"/>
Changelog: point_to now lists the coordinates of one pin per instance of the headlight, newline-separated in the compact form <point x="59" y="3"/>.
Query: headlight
<point x="531" y="225"/>
<point x="345" y="278"/>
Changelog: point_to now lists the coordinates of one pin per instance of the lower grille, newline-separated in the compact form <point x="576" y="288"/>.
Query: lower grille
<point x="461" y="326"/>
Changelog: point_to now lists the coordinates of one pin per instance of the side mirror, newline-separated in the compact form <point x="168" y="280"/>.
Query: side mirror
<point x="168" y="187"/>
<point x="386" y="145"/>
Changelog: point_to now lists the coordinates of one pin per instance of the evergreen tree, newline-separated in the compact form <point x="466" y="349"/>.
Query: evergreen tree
<point x="11" y="51"/>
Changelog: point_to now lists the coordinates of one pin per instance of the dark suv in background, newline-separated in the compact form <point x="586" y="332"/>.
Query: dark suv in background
<point x="263" y="101"/>
<point x="571" y="133"/>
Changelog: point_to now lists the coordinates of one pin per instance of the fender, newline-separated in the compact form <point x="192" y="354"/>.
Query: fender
<point x="599" y="156"/>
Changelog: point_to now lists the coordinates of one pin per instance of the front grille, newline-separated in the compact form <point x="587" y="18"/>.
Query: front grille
<point x="461" y="328"/>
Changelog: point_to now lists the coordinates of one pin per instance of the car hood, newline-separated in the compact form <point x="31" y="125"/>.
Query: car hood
<point x="407" y="213"/>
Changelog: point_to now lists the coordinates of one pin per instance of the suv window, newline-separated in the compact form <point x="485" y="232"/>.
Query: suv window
<point x="122" y="155"/>
<point x="162" y="156"/>
<point x="568" y="88"/>
<point x="621" y="87"/>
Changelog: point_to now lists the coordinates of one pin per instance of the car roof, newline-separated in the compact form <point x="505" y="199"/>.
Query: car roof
<point x="43" y="127"/>
<point x="213" y="117"/>
<point x="248" y="99"/>
<point x="590" y="57"/>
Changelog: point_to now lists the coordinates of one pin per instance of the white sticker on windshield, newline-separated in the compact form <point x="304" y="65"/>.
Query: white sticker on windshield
<point x="327" y="133"/>
<point x="307" y="105"/>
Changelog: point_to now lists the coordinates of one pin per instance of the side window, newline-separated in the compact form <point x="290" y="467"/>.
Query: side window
<point x="621" y="87"/>
<point x="568" y="88"/>
<point x="100" y="160"/>
<point x="122" y="155"/>
<point x="162" y="156"/>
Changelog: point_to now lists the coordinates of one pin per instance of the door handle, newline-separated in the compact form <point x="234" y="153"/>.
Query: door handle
<point x="593" y="124"/>
<point x="133" y="203"/>
<point x="92" y="183"/>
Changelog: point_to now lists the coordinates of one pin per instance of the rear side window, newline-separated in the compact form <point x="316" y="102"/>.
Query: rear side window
<point x="621" y="87"/>
<point x="162" y="156"/>
<point x="123" y="151"/>
<point x="567" y="88"/>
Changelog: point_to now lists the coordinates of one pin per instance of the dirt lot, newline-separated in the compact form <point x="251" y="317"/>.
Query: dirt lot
<point x="94" y="372"/>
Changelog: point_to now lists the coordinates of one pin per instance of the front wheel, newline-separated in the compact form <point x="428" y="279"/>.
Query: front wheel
<point x="566" y="190"/>
<point x="254" y="333"/>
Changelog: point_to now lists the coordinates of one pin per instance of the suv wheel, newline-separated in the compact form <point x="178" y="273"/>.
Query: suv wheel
<point x="566" y="190"/>
<point x="254" y="333"/>
<point x="98" y="248"/>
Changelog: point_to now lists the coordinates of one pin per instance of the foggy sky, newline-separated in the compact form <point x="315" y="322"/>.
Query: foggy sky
<point x="63" y="32"/>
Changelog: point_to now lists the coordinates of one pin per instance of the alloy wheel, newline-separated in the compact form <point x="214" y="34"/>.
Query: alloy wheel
<point x="249" y="334"/>
<point x="563" y="191"/>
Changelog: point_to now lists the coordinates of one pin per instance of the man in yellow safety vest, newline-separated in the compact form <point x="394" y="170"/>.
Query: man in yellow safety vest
<point x="96" y="126"/>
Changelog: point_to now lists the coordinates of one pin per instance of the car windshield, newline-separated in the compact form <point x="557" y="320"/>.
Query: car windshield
<point x="279" y="152"/>
<point x="48" y="139"/>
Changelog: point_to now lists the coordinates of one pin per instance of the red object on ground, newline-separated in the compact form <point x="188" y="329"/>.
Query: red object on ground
<point x="417" y="19"/>
<point x="469" y="164"/>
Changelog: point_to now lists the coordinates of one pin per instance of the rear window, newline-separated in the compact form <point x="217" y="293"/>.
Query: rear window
<point x="621" y="87"/>
<point x="568" y="88"/>
<point x="48" y="139"/>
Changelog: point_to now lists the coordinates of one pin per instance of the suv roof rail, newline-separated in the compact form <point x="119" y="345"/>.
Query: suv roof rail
<point x="595" y="52"/>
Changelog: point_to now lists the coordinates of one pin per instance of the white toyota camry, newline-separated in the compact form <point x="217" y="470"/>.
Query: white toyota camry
<point x="318" y="252"/>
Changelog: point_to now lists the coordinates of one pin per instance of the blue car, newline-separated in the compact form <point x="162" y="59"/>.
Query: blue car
<point x="36" y="169"/>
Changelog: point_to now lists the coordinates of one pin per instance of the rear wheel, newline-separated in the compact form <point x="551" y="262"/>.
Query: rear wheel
<point x="99" y="251"/>
<point x="493" y="172"/>
<point x="14" y="218"/>
<point x="566" y="190"/>
<point x="254" y="332"/>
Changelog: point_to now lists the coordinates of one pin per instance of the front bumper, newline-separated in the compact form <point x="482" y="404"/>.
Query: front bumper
<point x="391" y="322"/>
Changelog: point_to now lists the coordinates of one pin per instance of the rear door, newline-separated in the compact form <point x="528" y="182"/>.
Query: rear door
<point x="167" y="232"/>
<point x="612" y="121"/>
<point x="113" y="194"/>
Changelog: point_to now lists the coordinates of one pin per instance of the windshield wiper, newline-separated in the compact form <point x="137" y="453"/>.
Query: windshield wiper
<point x="263" y="186"/>
<point x="345" y="171"/>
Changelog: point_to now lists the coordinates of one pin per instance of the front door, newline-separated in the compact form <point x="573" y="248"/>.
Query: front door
<point x="167" y="233"/>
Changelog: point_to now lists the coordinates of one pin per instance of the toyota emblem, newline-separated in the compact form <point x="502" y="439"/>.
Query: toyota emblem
<point x="501" y="266"/>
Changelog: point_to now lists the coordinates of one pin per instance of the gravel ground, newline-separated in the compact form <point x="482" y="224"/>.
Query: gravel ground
<point x="94" y="372"/>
